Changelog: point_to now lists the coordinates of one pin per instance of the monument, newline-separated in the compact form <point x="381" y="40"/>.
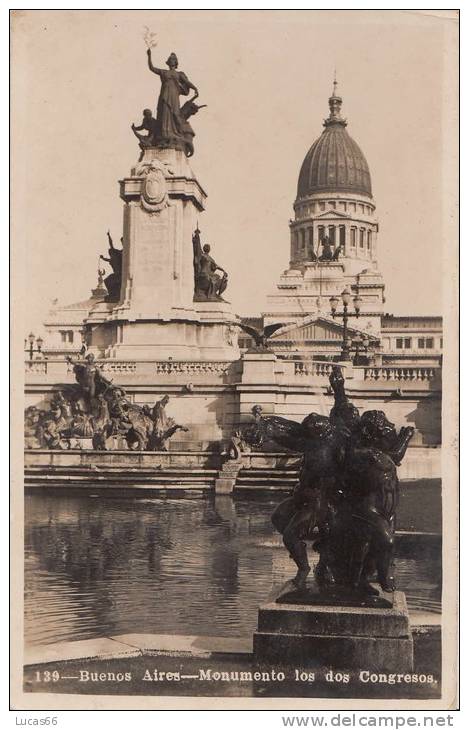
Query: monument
<point x="164" y="297"/>
<point x="345" y="502"/>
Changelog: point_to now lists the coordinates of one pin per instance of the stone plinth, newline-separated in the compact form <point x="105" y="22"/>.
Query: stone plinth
<point x="163" y="201"/>
<point x="259" y="368"/>
<point x="336" y="636"/>
<point x="226" y="480"/>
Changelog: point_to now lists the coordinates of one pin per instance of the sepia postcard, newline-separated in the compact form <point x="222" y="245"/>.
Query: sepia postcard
<point x="234" y="355"/>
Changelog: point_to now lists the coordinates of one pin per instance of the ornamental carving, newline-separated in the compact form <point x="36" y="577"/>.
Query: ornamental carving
<point x="231" y="335"/>
<point x="154" y="195"/>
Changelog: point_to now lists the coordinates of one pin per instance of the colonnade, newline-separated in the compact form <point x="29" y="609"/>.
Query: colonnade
<point x="355" y="238"/>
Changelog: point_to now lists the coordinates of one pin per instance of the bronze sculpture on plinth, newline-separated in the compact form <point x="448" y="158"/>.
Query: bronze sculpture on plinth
<point x="114" y="280"/>
<point x="208" y="285"/>
<point x="260" y="337"/>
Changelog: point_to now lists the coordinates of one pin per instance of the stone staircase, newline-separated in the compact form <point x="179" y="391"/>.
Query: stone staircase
<point x="109" y="476"/>
<point x="276" y="479"/>
<point x="115" y="477"/>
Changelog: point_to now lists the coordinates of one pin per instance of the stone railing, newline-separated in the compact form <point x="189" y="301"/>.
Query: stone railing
<point x="38" y="367"/>
<point x="411" y="373"/>
<point x="318" y="369"/>
<point x="284" y="372"/>
<point x="175" y="370"/>
<point x="117" y="366"/>
<point x="416" y="373"/>
<point x="186" y="368"/>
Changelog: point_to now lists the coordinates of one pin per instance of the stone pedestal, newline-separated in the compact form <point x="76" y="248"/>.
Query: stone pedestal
<point x="335" y="636"/>
<point x="226" y="480"/>
<point x="258" y="384"/>
<point x="156" y="317"/>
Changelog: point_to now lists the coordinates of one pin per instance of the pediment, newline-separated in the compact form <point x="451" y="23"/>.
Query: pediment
<point x="315" y="328"/>
<point x="331" y="213"/>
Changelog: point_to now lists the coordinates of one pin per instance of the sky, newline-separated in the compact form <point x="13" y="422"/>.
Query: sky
<point x="79" y="79"/>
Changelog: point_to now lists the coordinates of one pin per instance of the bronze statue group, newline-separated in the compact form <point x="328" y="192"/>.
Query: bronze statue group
<point x="171" y="127"/>
<point x="346" y="497"/>
<point x="97" y="410"/>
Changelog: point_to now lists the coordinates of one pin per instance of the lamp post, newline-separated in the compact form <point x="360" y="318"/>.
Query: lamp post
<point x="31" y="349"/>
<point x="346" y="299"/>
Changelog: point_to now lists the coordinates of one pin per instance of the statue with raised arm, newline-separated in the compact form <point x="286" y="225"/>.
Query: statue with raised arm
<point x="114" y="280"/>
<point x="208" y="285"/>
<point x="171" y="126"/>
<point x="89" y="377"/>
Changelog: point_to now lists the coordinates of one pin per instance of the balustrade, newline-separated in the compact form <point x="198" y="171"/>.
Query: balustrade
<point x="399" y="373"/>
<point x="219" y="369"/>
<point x="320" y="369"/>
<point x="36" y="366"/>
<point x="184" y="367"/>
<point x="177" y="368"/>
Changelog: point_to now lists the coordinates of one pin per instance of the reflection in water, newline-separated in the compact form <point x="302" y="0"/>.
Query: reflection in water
<point x="192" y="565"/>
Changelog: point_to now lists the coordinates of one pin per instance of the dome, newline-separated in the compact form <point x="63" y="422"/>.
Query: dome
<point x="334" y="162"/>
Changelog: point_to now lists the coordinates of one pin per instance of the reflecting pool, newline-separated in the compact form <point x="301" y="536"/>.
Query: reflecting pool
<point x="197" y="564"/>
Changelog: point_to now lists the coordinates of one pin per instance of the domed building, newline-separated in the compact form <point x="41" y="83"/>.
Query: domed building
<point x="333" y="246"/>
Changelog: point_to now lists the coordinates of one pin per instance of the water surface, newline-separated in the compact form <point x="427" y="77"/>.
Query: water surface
<point x="198" y="564"/>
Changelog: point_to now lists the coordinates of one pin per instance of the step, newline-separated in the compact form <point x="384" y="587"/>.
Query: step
<point x="93" y="479"/>
<point x="122" y="473"/>
<point x="269" y="471"/>
<point x="266" y="473"/>
<point x="272" y="475"/>
<point x="110" y="468"/>
<point x="130" y="488"/>
<point x="263" y="487"/>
